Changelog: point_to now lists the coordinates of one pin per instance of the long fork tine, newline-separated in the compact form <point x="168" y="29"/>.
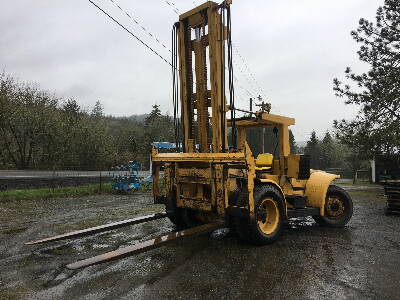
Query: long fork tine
<point x="144" y="246"/>
<point x="101" y="228"/>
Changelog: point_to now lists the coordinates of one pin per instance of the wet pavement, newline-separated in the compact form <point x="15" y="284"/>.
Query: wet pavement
<point x="360" y="261"/>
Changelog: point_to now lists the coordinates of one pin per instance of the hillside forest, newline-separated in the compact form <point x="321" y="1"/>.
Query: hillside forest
<point x="41" y="131"/>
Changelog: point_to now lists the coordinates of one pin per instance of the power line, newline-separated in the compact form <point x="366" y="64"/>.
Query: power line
<point x="173" y="4"/>
<point x="176" y="10"/>
<point x="153" y="36"/>
<point x="141" y="41"/>
<point x="249" y="80"/>
<point x="140" y="25"/>
<point x="130" y="32"/>
<point x="246" y="77"/>
<point x="248" y="69"/>
<point x="173" y="7"/>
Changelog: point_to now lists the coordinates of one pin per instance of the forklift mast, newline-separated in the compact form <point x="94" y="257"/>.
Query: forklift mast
<point x="200" y="38"/>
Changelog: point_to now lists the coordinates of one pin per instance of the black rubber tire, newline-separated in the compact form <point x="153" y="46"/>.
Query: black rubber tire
<point x="176" y="218"/>
<point x="234" y="200"/>
<point x="326" y="220"/>
<point x="175" y="214"/>
<point x="190" y="219"/>
<point x="248" y="230"/>
<point x="182" y="218"/>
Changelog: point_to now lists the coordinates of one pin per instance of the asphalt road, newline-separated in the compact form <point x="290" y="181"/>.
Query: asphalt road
<point x="360" y="261"/>
<point x="15" y="174"/>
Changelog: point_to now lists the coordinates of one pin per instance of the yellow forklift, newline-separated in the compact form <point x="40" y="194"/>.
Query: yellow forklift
<point x="214" y="180"/>
<point x="210" y="180"/>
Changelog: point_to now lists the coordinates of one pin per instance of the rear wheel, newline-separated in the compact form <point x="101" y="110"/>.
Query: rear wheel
<point x="338" y="208"/>
<point x="269" y="217"/>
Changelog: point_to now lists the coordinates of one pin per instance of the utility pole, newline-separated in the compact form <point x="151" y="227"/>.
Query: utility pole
<point x="259" y="98"/>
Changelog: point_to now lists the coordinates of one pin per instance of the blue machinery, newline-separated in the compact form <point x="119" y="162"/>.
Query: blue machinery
<point x="127" y="177"/>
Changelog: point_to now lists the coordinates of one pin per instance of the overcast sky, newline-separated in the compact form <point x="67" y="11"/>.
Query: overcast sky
<point x="293" y="48"/>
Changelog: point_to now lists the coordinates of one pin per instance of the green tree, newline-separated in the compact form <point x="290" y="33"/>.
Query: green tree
<point x="97" y="110"/>
<point x="327" y="148"/>
<point x="27" y="119"/>
<point x="38" y="132"/>
<point x="313" y="149"/>
<point x="156" y="128"/>
<point x="95" y="143"/>
<point x="154" y="116"/>
<point x="292" y="141"/>
<point x="376" y="129"/>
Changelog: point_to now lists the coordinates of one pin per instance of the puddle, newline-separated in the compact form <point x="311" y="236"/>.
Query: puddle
<point x="100" y="246"/>
<point x="219" y="233"/>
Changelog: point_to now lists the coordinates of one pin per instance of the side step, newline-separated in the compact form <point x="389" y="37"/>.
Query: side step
<point x="297" y="201"/>
<point x="144" y="246"/>
<point x="303" y="212"/>
<point x="101" y="228"/>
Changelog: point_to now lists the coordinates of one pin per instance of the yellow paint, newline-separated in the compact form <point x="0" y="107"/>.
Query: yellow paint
<point x="251" y="175"/>
<point x="203" y="178"/>
<point x="274" y="178"/>
<point x="293" y="161"/>
<point x="264" y="161"/>
<point x="268" y="222"/>
<point x="205" y="157"/>
<point x="273" y="182"/>
<point x="316" y="188"/>
<point x="266" y="119"/>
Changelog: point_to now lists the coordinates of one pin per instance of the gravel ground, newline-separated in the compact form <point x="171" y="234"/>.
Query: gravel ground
<point x="309" y="262"/>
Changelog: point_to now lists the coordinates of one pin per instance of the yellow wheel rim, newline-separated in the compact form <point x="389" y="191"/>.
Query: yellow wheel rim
<point x="334" y="207"/>
<point x="268" y="216"/>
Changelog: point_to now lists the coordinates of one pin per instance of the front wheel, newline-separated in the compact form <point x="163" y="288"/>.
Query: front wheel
<point x="338" y="208"/>
<point x="269" y="217"/>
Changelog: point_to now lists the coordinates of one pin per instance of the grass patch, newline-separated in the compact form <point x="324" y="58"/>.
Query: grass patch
<point x="46" y="193"/>
<point x="73" y="191"/>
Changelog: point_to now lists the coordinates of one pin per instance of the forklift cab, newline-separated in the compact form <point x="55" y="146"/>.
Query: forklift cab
<point x="280" y="162"/>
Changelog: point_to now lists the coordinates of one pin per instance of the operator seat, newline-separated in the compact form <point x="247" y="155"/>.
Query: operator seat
<point x="264" y="162"/>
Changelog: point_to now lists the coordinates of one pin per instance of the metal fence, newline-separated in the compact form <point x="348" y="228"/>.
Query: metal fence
<point x="33" y="179"/>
